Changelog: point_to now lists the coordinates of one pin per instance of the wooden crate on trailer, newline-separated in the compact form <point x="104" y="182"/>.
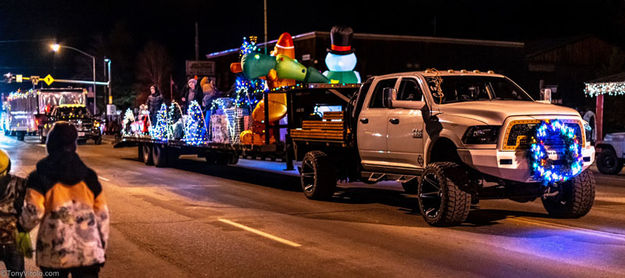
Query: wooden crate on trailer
<point x="330" y="128"/>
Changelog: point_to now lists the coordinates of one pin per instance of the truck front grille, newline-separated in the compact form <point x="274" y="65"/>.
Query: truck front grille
<point x="518" y="133"/>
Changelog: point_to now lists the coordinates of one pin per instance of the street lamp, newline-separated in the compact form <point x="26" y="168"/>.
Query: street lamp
<point x="56" y="47"/>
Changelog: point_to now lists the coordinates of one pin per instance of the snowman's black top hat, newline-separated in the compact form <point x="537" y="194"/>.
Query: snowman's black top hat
<point x="341" y="39"/>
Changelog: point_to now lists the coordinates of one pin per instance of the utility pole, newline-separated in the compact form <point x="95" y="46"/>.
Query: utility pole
<point x="197" y="43"/>
<point x="265" y="2"/>
<point x="94" y="88"/>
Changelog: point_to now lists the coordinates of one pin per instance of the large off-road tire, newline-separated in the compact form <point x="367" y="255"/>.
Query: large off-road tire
<point x="318" y="176"/>
<point x="147" y="154"/>
<point x="575" y="199"/>
<point x="608" y="162"/>
<point x="159" y="155"/>
<point x="442" y="200"/>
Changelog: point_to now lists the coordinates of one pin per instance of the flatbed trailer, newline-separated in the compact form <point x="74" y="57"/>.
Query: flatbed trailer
<point x="304" y="102"/>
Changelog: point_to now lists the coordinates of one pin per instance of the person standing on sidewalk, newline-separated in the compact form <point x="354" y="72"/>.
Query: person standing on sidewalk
<point x="12" y="191"/>
<point x="65" y="197"/>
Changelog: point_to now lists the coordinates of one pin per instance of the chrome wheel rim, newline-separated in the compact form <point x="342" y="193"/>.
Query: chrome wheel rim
<point x="430" y="195"/>
<point x="308" y="176"/>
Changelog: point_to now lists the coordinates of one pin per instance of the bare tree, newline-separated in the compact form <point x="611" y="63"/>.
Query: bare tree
<point x="153" y="67"/>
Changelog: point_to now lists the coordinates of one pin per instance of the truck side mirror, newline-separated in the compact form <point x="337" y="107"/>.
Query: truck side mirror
<point x="387" y="97"/>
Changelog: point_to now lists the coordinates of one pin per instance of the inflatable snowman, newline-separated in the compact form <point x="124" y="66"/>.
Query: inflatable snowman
<point x="341" y="59"/>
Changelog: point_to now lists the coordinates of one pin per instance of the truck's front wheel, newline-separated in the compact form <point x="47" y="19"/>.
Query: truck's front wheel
<point x="318" y="176"/>
<point x="441" y="200"/>
<point x="575" y="198"/>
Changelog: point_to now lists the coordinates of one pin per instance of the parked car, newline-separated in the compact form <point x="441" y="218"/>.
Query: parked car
<point x="611" y="153"/>
<point x="77" y="114"/>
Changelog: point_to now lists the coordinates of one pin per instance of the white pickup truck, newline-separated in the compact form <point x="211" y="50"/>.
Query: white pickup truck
<point x="454" y="138"/>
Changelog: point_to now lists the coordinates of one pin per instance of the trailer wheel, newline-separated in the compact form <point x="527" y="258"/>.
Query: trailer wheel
<point x="608" y="163"/>
<point x="575" y="199"/>
<point x="441" y="200"/>
<point x="147" y="154"/>
<point x="318" y="176"/>
<point x="159" y="155"/>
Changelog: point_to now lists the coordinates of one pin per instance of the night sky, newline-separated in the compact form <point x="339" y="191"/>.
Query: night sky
<point x="120" y="29"/>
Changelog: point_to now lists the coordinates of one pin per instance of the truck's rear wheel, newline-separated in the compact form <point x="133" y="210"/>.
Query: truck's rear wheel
<point x="318" y="176"/>
<point x="147" y="154"/>
<point x="21" y="135"/>
<point x="608" y="163"/>
<point x="159" y="155"/>
<point x="575" y="199"/>
<point x="441" y="200"/>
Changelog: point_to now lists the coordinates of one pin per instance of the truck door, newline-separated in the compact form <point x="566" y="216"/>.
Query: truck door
<point x="405" y="125"/>
<point x="372" y="124"/>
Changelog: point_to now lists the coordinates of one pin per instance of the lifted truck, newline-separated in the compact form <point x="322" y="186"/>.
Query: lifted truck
<point x="453" y="138"/>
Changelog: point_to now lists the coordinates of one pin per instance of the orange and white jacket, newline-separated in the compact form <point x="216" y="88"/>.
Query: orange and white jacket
<point x="65" y="197"/>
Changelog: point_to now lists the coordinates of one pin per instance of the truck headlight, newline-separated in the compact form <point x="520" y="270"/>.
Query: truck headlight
<point x="481" y="134"/>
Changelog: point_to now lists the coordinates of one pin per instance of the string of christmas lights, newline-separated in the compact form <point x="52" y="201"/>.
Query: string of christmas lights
<point x="605" y="88"/>
<point x="248" y="45"/>
<point x="544" y="168"/>
<point x="129" y="118"/>
<point x="194" y="131"/>
<point x="160" y="129"/>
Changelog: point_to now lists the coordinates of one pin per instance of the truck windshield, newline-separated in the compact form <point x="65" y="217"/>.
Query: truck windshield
<point x="474" y="88"/>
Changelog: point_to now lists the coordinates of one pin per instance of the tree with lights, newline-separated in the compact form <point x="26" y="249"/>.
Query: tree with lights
<point x="129" y="118"/>
<point x="160" y="130"/>
<point x="194" y="131"/>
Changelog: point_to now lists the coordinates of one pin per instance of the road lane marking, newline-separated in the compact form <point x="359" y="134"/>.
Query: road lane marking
<point x="585" y="231"/>
<point x="103" y="178"/>
<point x="260" y="233"/>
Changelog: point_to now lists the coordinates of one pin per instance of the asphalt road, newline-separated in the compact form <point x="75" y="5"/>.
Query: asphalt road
<point x="196" y="220"/>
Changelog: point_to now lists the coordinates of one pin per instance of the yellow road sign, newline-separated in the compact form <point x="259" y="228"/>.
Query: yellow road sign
<point x="48" y="79"/>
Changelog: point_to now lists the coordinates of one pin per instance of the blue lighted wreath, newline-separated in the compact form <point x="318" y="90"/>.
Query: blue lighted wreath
<point x="567" y="166"/>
